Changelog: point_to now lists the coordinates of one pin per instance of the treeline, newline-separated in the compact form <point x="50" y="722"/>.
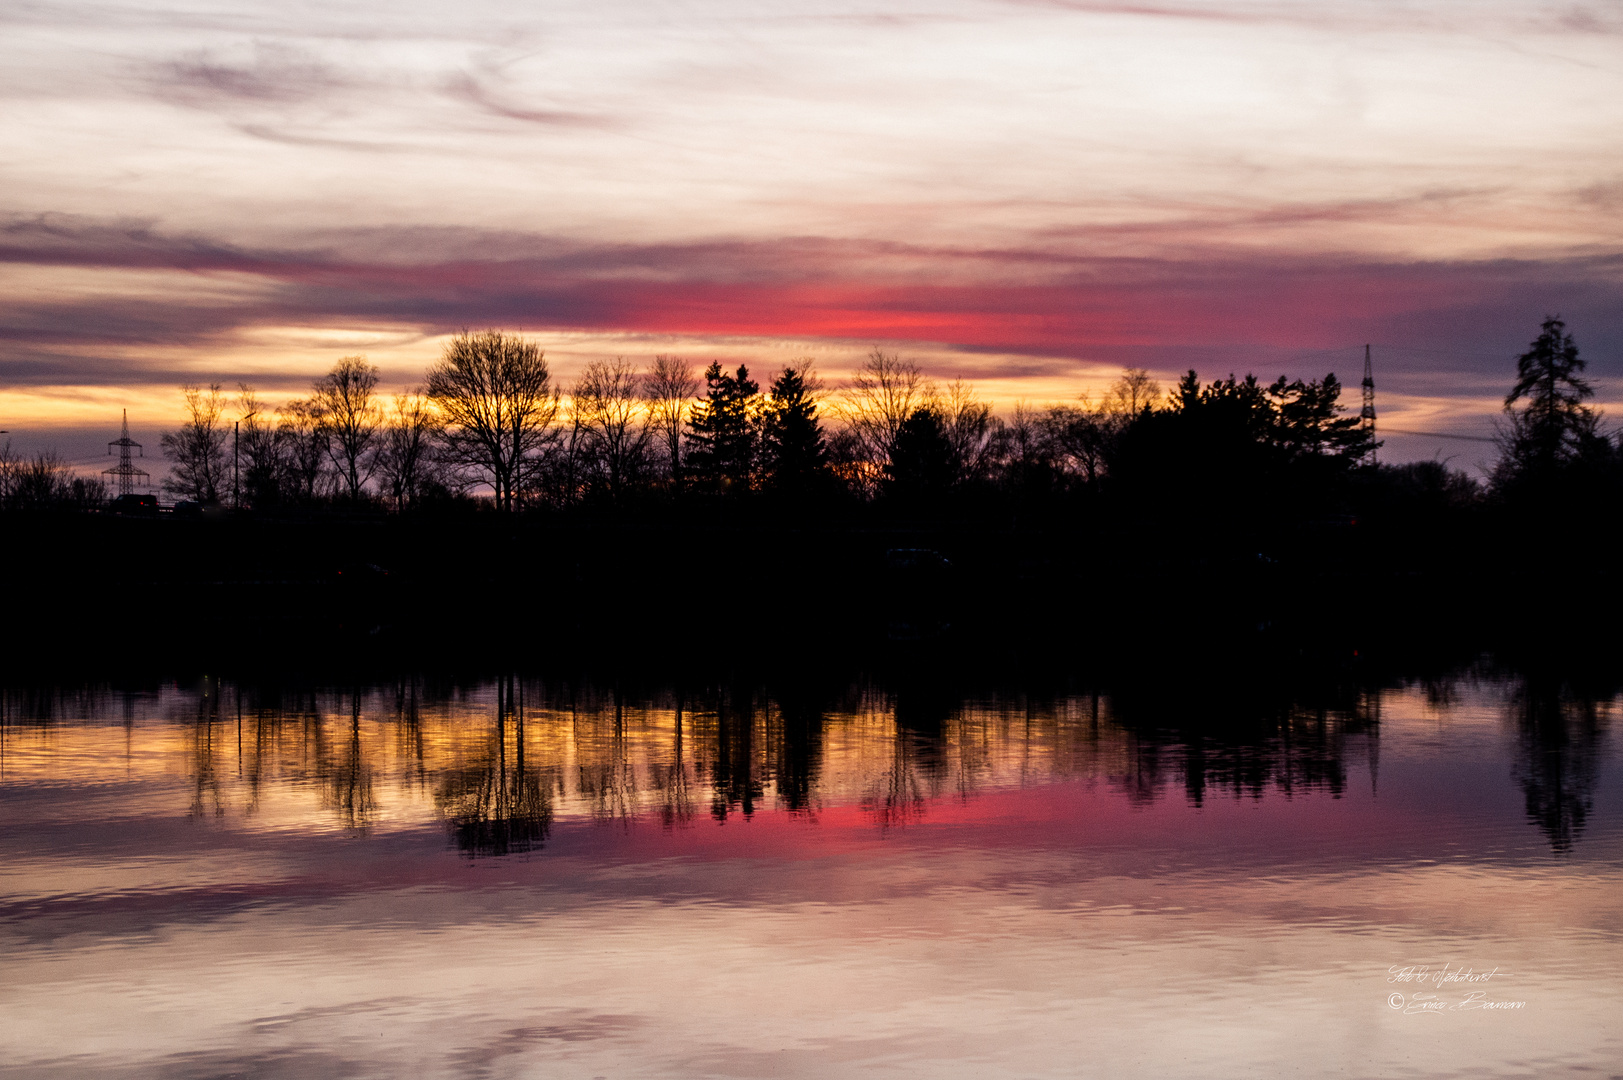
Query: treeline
<point x="490" y="427"/>
<point x="491" y="420"/>
<point x="45" y="481"/>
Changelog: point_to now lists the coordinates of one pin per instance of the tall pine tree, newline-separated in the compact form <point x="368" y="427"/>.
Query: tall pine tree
<point x="1553" y="428"/>
<point x="795" y="458"/>
<point x="721" y="431"/>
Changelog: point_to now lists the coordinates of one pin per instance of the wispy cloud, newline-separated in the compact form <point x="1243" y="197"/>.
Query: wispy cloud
<point x="1153" y="311"/>
<point x="261" y="73"/>
<point x="470" y="88"/>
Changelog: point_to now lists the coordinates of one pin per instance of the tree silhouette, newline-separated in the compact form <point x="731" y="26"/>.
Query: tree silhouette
<point x="796" y="461"/>
<point x="721" y="431"/>
<point x="922" y="463"/>
<point x="1308" y="422"/>
<point x="1554" y="429"/>
<point x="670" y="386"/>
<point x="497" y="398"/>
<point x="1132" y="393"/>
<point x="351" y="417"/>
<point x="606" y="405"/>
<point x="1080" y="440"/>
<point x="46" y="482"/>
<point x="407" y="448"/>
<point x="263" y="451"/>
<point x="300" y="425"/>
<point x="197" y="449"/>
<point x="1239" y="452"/>
<point x="884" y="393"/>
<point x="969" y="426"/>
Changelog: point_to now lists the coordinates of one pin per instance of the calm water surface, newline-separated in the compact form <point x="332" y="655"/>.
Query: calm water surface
<point x="526" y="878"/>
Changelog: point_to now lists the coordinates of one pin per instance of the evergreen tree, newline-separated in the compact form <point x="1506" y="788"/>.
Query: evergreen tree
<point x="1240" y="407"/>
<point x="1308" y="422"/>
<point x="922" y="464"/>
<point x="1554" y="429"/>
<point x="796" y="460"/>
<point x="1187" y="395"/>
<point x="721" y="431"/>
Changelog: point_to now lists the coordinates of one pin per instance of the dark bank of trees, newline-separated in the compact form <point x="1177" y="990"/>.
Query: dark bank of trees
<point x="45" y="481"/>
<point x="491" y="427"/>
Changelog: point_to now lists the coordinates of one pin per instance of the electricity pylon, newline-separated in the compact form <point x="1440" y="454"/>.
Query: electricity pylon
<point x="126" y="472"/>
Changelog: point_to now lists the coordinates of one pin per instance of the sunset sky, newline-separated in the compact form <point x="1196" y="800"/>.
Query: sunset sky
<point x="1025" y="194"/>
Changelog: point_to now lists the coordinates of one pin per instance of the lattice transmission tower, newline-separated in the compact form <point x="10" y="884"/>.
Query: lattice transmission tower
<point x="126" y="471"/>
<point x="1367" y="413"/>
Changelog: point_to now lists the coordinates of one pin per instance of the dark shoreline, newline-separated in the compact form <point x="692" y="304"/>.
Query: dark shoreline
<point x="488" y="590"/>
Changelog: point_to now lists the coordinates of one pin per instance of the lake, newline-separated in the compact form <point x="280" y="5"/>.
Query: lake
<point x="840" y="876"/>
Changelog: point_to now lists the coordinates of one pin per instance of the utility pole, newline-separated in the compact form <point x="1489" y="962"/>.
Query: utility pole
<point x="1367" y="413"/>
<point x="126" y="470"/>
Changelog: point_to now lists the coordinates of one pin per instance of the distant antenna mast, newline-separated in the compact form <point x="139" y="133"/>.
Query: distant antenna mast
<point x="126" y="472"/>
<point x="1367" y="413"/>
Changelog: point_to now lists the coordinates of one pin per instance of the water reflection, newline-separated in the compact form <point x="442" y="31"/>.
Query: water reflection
<point x="494" y="805"/>
<point x="498" y="762"/>
<point x="1558" y="740"/>
<point x="899" y="876"/>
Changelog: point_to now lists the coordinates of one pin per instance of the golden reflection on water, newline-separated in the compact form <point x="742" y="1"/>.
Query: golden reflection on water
<point x="502" y="761"/>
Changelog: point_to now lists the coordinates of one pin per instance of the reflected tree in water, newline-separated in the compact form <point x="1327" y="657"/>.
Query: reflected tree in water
<point x="1244" y="746"/>
<point x="1558" y="740"/>
<point x="735" y="779"/>
<point x="899" y="795"/>
<point x="669" y="754"/>
<point x="409" y="728"/>
<point x="348" y="776"/>
<point x="671" y="779"/>
<point x="207" y="796"/>
<point x="606" y="774"/>
<point x="498" y="805"/>
<point x="797" y="741"/>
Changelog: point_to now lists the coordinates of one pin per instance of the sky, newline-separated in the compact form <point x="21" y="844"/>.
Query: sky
<point x="1027" y="194"/>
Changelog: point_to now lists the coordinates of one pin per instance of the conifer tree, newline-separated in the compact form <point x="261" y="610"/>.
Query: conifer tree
<point x="721" y="431"/>
<point x="792" y="444"/>
<point x="1554" y="428"/>
<point x="922" y="464"/>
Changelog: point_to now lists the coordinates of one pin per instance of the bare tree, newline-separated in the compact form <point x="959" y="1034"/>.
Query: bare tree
<point x="1081" y="438"/>
<point x="405" y="453"/>
<point x="198" y="447"/>
<point x="607" y="404"/>
<point x="302" y="429"/>
<point x="497" y="398"/>
<point x="566" y="471"/>
<point x="1132" y="393"/>
<point x="46" y="482"/>
<point x="351" y="416"/>
<point x="884" y="392"/>
<point x="1024" y="438"/>
<point x="969" y="428"/>
<point x="261" y="448"/>
<point x="670" y="387"/>
<point x="10" y="464"/>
